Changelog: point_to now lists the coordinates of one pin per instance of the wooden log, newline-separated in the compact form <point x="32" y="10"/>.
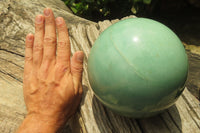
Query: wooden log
<point x="16" y="20"/>
<point x="194" y="69"/>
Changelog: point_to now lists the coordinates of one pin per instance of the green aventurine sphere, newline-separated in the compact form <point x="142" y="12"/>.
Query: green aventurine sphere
<point x="137" y="67"/>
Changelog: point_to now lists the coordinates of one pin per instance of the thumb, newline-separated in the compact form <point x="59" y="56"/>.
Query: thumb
<point x="77" y="70"/>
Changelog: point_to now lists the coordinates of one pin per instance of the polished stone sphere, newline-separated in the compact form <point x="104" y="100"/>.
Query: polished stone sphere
<point x="137" y="67"/>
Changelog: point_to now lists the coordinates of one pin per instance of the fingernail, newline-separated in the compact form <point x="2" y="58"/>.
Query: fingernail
<point x="30" y="37"/>
<point x="59" y="21"/>
<point x="38" y="19"/>
<point x="47" y="12"/>
<point x="80" y="56"/>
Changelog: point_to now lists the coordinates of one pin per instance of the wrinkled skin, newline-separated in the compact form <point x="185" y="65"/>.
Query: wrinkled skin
<point x="52" y="80"/>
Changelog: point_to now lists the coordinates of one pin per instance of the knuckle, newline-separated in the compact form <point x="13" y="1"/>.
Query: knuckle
<point x="38" y="27"/>
<point x="37" y="46"/>
<point x="61" y="68"/>
<point x="77" y="68"/>
<point x="47" y="57"/>
<point x="28" y="58"/>
<point x="49" y="21"/>
<point x="29" y="45"/>
<point x="61" y="55"/>
<point x="50" y="40"/>
<point x="62" y="44"/>
<point x="62" y="28"/>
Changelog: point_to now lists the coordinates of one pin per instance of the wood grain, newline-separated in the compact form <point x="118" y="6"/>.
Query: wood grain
<point x="16" y="20"/>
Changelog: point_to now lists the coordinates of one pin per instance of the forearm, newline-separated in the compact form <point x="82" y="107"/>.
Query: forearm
<point x="34" y="124"/>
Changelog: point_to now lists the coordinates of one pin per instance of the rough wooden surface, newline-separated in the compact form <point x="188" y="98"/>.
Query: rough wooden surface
<point x="193" y="82"/>
<point x="92" y="117"/>
<point x="17" y="19"/>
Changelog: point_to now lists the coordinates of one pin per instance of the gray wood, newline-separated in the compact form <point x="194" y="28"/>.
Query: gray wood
<point x="16" y="20"/>
<point x="194" y="70"/>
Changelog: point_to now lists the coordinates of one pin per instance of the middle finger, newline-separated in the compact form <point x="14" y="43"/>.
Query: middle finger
<point x="50" y="36"/>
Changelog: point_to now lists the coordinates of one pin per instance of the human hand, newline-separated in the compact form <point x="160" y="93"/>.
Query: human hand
<point x="52" y="81"/>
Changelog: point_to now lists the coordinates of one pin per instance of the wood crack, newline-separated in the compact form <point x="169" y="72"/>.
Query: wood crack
<point x="189" y="112"/>
<point x="109" y="120"/>
<point x="12" y="63"/>
<point x="11" y="52"/>
<point x="197" y="124"/>
<point x="140" y="126"/>
<point x="190" y="106"/>
<point x="135" y="125"/>
<point x="10" y="75"/>
<point x="174" y="121"/>
<point x="166" y="125"/>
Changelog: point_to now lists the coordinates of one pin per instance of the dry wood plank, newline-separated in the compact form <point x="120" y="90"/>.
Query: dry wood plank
<point x="12" y="107"/>
<point x="92" y="117"/>
<point x="194" y="73"/>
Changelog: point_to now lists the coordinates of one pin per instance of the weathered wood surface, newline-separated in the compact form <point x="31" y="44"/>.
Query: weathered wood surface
<point x="92" y="117"/>
<point x="193" y="82"/>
